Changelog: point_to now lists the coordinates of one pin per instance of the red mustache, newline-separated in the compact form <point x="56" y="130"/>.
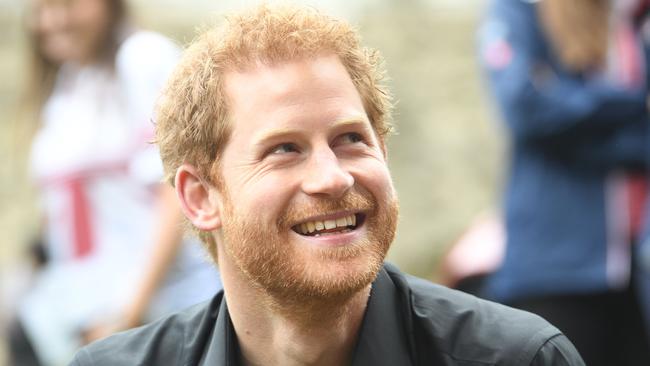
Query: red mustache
<point x="354" y="200"/>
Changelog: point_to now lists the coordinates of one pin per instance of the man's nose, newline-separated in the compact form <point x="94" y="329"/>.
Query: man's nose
<point x="325" y="175"/>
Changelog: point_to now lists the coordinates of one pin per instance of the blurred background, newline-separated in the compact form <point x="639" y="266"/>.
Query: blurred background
<point x="446" y="158"/>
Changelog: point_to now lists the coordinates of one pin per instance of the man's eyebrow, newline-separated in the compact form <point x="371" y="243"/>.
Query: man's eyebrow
<point x="286" y="131"/>
<point x="274" y="134"/>
<point x="352" y="121"/>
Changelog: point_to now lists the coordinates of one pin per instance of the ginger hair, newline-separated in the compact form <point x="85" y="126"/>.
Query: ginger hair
<point x="192" y="114"/>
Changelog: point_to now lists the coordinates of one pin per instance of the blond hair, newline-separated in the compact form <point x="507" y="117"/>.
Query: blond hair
<point x="192" y="113"/>
<point x="577" y="30"/>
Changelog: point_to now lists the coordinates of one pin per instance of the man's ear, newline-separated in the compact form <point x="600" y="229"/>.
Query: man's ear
<point x="199" y="200"/>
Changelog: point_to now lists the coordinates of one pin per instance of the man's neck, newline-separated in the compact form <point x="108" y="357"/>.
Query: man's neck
<point x="314" y="334"/>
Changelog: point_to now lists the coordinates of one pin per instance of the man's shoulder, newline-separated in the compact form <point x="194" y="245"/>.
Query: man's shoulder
<point x="465" y="328"/>
<point x="168" y="341"/>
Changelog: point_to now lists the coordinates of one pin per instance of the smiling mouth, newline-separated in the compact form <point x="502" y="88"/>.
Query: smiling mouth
<point x="329" y="227"/>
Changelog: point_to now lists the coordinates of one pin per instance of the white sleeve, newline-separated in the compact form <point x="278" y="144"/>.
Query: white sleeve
<point x="143" y="64"/>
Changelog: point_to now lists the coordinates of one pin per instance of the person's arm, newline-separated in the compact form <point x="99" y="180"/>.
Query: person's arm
<point x="167" y="241"/>
<point x="626" y="147"/>
<point x="541" y="103"/>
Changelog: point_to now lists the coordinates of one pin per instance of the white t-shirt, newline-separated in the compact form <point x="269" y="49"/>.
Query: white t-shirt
<point x="97" y="172"/>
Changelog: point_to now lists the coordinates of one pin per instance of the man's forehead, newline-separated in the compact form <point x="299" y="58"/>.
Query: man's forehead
<point x="274" y="86"/>
<point x="278" y="76"/>
<point x="294" y="96"/>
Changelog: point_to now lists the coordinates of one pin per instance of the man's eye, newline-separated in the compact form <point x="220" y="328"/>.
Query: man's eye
<point x="284" y="148"/>
<point x="351" y="138"/>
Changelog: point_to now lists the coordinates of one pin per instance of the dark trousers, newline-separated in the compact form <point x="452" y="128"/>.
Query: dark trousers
<point x="607" y="328"/>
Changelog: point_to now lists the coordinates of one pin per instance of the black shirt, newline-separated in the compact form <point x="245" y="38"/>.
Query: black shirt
<point x="408" y="321"/>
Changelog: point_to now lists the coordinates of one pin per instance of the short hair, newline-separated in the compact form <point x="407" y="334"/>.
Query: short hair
<point x="192" y="113"/>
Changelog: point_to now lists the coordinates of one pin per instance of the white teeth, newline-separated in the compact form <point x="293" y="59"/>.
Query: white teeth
<point x="312" y="226"/>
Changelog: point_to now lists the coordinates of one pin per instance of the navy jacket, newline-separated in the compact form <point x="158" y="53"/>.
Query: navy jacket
<point x="571" y="135"/>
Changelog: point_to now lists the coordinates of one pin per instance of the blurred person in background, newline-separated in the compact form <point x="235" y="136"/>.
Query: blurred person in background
<point x="570" y="80"/>
<point x="112" y="233"/>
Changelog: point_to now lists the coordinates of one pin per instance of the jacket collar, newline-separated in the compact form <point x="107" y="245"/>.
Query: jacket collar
<point x="222" y="348"/>
<point x="382" y="338"/>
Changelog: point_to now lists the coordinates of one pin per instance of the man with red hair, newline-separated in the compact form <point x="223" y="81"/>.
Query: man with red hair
<point x="272" y="131"/>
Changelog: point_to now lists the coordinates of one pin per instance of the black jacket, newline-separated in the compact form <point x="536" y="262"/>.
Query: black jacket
<point x="408" y="321"/>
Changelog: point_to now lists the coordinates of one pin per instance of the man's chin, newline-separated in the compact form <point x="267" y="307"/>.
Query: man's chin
<point x="327" y="280"/>
<point x="329" y="274"/>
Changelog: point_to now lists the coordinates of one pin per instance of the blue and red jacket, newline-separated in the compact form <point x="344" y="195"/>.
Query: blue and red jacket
<point x="574" y="139"/>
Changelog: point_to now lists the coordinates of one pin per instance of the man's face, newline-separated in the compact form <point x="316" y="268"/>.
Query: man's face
<point x="309" y="207"/>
